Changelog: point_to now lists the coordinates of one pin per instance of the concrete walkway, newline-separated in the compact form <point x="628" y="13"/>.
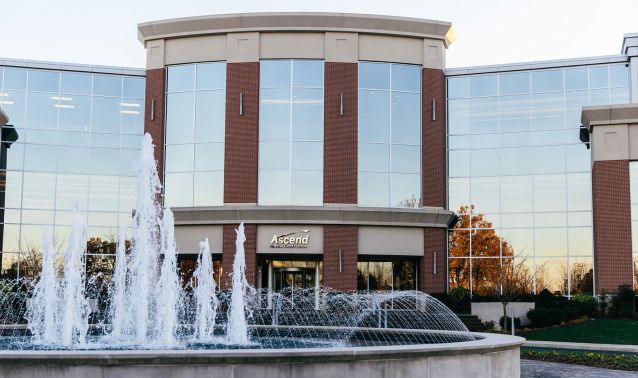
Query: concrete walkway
<point x="582" y="346"/>
<point x="541" y="369"/>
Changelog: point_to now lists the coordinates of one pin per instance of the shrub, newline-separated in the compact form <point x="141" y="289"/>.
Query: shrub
<point x="517" y="322"/>
<point x="545" y="299"/>
<point x="622" y="303"/>
<point x="545" y="317"/>
<point x="587" y="303"/>
<point x="488" y="326"/>
<point x="460" y="294"/>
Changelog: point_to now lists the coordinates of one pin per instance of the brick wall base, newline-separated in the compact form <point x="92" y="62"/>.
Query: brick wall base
<point x="613" y="265"/>
<point x="345" y="239"/>
<point x="435" y="246"/>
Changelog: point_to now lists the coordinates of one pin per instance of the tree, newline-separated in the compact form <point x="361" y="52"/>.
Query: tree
<point x="412" y="201"/>
<point x="487" y="247"/>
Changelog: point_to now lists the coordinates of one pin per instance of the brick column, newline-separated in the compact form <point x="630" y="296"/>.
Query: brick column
<point x="228" y="254"/>
<point x="433" y="138"/>
<point x="613" y="263"/>
<point x="242" y="133"/>
<point x="345" y="239"/>
<point x="154" y="123"/>
<point x="434" y="178"/>
<point x="435" y="247"/>
<point x="340" y="133"/>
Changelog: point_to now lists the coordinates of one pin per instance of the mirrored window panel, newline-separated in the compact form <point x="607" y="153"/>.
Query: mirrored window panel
<point x="291" y="132"/>
<point x="195" y="127"/>
<point x="389" y="155"/>
<point x="518" y="170"/>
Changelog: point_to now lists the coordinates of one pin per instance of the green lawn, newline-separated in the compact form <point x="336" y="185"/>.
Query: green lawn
<point x="601" y="331"/>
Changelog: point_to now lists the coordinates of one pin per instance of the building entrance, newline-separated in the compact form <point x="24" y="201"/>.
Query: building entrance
<point x="290" y="281"/>
<point x="294" y="278"/>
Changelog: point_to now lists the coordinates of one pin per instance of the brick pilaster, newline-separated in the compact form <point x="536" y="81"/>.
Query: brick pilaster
<point x="435" y="247"/>
<point x="340" y="133"/>
<point x="338" y="238"/>
<point x="433" y="138"/>
<point x="242" y="133"/>
<point x="613" y="263"/>
<point x="154" y="123"/>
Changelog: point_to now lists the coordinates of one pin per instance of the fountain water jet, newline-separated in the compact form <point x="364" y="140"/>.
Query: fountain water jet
<point x="168" y="290"/>
<point x="41" y="313"/>
<point x="145" y="254"/>
<point x="118" y="289"/>
<point x="206" y="302"/>
<point x="75" y="318"/>
<point x="237" y="327"/>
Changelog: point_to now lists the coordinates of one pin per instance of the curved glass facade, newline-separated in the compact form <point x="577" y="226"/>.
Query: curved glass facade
<point x="389" y="173"/>
<point x="291" y="132"/>
<point x="519" y="177"/>
<point x="76" y="139"/>
<point x="195" y="119"/>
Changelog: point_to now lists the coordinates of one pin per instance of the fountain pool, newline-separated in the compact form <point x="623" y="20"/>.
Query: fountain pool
<point x="145" y="322"/>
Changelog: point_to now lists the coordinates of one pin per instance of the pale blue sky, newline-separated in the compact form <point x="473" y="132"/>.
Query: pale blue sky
<point x="488" y="31"/>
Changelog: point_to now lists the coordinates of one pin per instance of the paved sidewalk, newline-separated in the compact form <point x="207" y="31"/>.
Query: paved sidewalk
<point x="582" y="346"/>
<point x="542" y="369"/>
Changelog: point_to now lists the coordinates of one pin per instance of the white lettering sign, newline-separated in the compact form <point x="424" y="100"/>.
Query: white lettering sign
<point x="291" y="240"/>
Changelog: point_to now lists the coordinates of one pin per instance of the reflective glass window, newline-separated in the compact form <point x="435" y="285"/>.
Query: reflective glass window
<point x="66" y="132"/>
<point x="514" y="83"/>
<point x="599" y="77"/>
<point x="390" y="133"/>
<point x="291" y="132"/>
<point x="44" y="81"/>
<point x="107" y="85"/>
<point x="618" y="76"/>
<point x="133" y="87"/>
<point x="15" y="78"/>
<point x="195" y="134"/>
<point x="547" y="81"/>
<point x="483" y="85"/>
<point x="523" y="168"/>
<point x="576" y="78"/>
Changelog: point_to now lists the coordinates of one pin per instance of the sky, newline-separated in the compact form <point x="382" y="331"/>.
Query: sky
<point x="488" y="31"/>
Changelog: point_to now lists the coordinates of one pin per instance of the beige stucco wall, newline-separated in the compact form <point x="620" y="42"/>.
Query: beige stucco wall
<point x="613" y="131"/>
<point x="265" y="234"/>
<point x="187" y="238"/>
<point x="195" y="49"/>
<point x="391" y="241"/>
<point x="329" y="46"/>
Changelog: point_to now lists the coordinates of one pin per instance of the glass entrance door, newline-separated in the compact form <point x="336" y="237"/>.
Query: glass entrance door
<point x="294" y="286"/>
<point x="294" y="278"/>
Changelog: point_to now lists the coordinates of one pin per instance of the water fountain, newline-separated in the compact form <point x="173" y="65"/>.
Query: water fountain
<point x="149" y="320"/>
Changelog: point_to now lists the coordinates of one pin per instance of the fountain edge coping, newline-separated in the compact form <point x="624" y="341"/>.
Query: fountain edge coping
<point x="488" y="343"/>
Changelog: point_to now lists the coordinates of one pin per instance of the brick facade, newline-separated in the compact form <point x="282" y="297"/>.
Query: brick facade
<point x="433" y="138"/>
<point x="435" y="241"/>
<point x="155" y="93"/>
<point x="228" y="254"/>
<point x="345" y="239"/>
<point x="340" y="133"/>
<point x="242" y="133"/>
<point x="613" y="265"/>
<point x="434" y="178"/>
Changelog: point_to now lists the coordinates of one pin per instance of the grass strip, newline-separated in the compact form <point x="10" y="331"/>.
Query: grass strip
<point x="616" y="361"/>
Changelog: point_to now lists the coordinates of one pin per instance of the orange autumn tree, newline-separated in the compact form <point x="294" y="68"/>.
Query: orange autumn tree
<point x="486" y="244"/>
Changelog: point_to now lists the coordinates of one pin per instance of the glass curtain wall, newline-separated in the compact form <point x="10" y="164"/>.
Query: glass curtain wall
<point x="77" y="136"/>
<point x="291" y="132"/>
<point x="195" y="134"/>
<point x="519" y="177"/>
<point x="389" y="159"/>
